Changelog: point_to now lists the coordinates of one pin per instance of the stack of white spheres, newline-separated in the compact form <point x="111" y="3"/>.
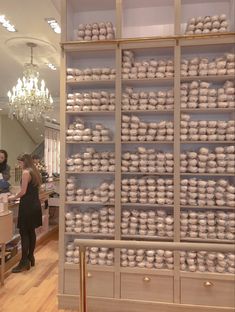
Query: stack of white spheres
<point x="207" y="24"/>
<point x="91" y="221"/>
<point x="95" y="31"/>
<point x="152" y="68"/>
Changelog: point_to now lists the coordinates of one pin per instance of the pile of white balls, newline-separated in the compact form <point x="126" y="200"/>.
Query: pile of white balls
<point x="203" y="261"/>
<point x="147" y="190"/>
<point x="197" y="66"/>
<point x="132" y="69"/>
<point x="151" y="223"/>
<point x="133" y="129"/>
<point x="94" y="255"/>
<point x="91" y="160"/>
<point x="147" y="161"/>
<point x="95" y="31"/>
<point x="89" y="74"/>
<point x="206" y="130"/>
<point x="91" y="101"/>
<point x="78" y="131"/>
<point x="104" y="193"/>
<point x="201" y="95"/>
<point x="220" y="160"/>
<point x="207" y="24"/>
<point x="207" y="224"/>
<point x="143" y="100"/>
<point x="198" y="192"/>
<point x="91" y="221"/>
<point x="150" y="259"/>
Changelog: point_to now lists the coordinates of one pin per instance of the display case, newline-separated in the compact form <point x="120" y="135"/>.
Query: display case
<point x="147" y="154"/>
<point x="160" y="19"/>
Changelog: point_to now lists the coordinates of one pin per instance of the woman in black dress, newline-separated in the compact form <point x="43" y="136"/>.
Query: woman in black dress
<point x="30" y="214"/>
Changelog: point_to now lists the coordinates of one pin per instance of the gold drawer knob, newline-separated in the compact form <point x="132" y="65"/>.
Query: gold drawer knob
<point x="147" y="279"/>
<point x="208" y="284"/>
<point x="89" y="275"/>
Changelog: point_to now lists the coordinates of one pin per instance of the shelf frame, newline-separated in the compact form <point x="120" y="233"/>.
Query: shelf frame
<point x="177" y="43"/>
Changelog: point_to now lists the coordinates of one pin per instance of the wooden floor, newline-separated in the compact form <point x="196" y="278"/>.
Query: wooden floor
<point x="36" y="289"/>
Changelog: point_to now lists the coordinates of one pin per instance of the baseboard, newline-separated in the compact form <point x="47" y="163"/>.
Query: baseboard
<point x="120" y="305"/>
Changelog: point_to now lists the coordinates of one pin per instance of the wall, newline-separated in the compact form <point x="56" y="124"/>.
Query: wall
<point x="14" y="139"/>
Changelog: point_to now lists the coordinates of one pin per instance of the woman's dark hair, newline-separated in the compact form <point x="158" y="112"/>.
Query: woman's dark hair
<point x="4" y="163"/>
<point x="35" y="157"/>
<point x="28" y="164"/>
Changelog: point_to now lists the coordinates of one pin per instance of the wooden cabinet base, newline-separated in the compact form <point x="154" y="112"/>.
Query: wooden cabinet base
<point x="121" y="305"/>
<point x="207" y="292"/>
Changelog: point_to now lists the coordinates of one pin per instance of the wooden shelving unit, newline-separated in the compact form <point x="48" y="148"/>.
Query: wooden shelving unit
<point x="116" y="287"/>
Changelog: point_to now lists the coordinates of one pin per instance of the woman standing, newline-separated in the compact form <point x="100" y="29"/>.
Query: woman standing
<point x="4" y="172"/>
<point x="30" y="214"/>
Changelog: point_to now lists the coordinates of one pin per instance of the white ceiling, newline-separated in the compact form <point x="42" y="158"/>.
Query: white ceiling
<point x="28" y="17"/>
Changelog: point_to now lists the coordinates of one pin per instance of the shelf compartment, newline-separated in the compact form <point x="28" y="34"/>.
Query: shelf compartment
<point x="91" y="113"/>
<point x="214" y="78"/>
<point x="88" y="203"/>
<point x="89" y="172"/>
<point x="191" y="9"/>
<point x="147" y="142"/>
<point x="207" y="142"/>
<point x="98" y="45"/>
<point x="153" y="271"/>
<point x="139" y="205"/>
<point x="89" y="142"/>
<point x="160" y="19"/>
<point x="207" y="207"/>
<point x="208" y="174"/>
<point x="90" y="235"/>
<point x="84" y="12"/>
<point x="90" y="267"/>
<point x="146" y="237"/>
<point x="148" y="173"/>
<point x="208" y="240"/>
<point x="148" y="82"/>
<point x="207" y="110"/>
<point x="91" y="83"/>
<point x="160" y="111"/>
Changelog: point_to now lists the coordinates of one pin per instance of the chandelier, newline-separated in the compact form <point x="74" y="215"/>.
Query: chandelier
<point x="29" y="99"/>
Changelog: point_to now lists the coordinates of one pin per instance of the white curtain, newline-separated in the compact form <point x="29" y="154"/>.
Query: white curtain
<point x="52" y="150"/>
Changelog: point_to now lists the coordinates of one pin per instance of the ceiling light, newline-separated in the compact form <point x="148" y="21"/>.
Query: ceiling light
<point x="29" y="100"/>
<point x="51" y="66"/>
<point x="6" y="24"/>
<point x="54" y="25"/>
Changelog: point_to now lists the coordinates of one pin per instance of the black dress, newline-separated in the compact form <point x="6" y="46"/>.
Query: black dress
<point x="30" y="213"/>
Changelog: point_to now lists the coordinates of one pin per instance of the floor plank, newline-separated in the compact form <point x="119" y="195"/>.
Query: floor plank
<point x="36" y="289"/>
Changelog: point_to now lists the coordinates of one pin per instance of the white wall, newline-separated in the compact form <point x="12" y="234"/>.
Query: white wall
<point x="14" y="139"/>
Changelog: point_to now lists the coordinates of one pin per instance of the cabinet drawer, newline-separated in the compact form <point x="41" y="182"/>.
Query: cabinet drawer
<point x="147" y="287"/>
<point x="99" y="283"/>
<point x="207" y="292"/>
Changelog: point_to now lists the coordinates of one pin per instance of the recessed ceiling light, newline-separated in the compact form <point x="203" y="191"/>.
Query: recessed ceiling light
<point x="6" y="24"/>
<point x="51" y="66"/>
<point x="53" y="24"/>
<point x="0" y="109"/>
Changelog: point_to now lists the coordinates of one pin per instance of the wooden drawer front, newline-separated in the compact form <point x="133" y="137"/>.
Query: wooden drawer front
<point x="147" y="287"/>
<point x="207" y="292"/>
<point x="99" y="284"/>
